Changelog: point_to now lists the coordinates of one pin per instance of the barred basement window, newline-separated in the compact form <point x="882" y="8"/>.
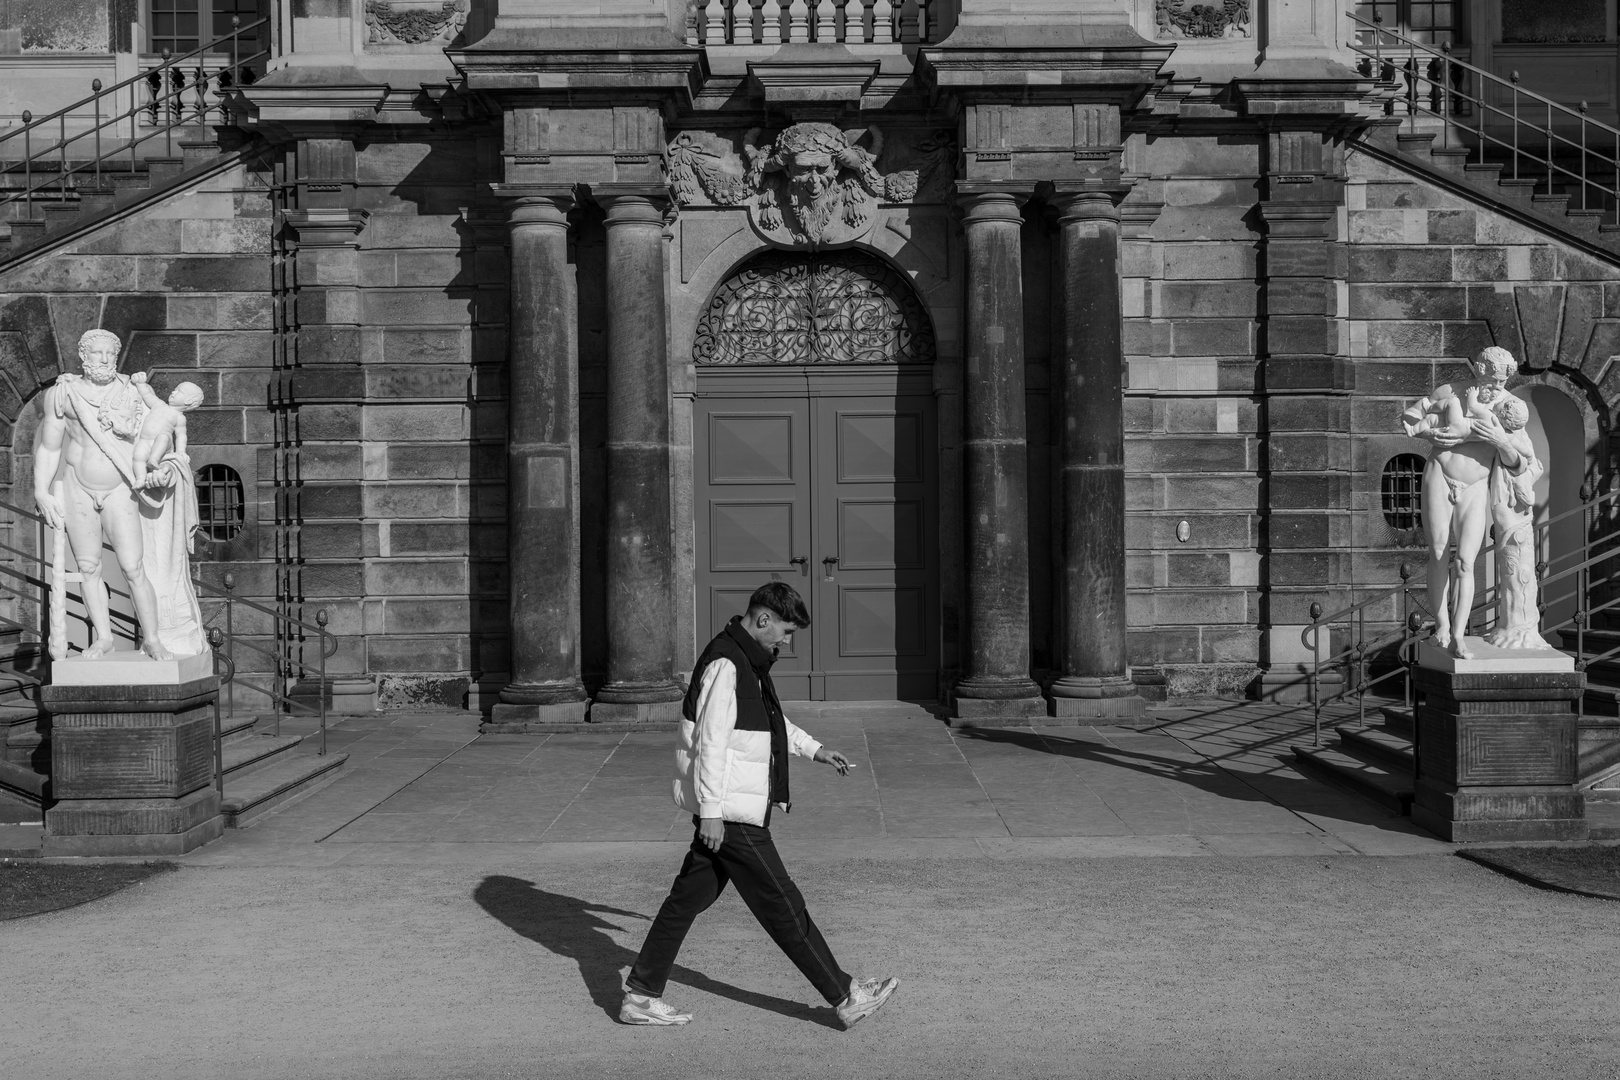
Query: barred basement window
<point x="1401" y="492"/>
<point x="220" y="512"/>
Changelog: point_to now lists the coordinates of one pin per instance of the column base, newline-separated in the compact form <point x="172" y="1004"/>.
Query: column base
<point x="640" y="713"/>
<point x="133" y="826"/>
<point x="969" y="712"/>
<point x="570" y="692"/>
<point x="509" y="718"/>
<point x="1102" y="698"/>
<point x="640" y="693"/>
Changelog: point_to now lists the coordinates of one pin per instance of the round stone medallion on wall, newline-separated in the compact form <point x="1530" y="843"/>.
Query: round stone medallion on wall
<point x="831" y="307"/>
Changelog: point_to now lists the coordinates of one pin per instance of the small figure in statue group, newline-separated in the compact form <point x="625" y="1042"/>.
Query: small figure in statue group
<point x="1482" y="469"/>
<point x="163" y="432"/>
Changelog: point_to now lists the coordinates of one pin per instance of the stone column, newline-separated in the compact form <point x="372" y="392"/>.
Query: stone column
<point x="996" y="683"/>
<point x="640" y="558"/>
<point x="1095" y="680"/>
<point x="542" y="463"/>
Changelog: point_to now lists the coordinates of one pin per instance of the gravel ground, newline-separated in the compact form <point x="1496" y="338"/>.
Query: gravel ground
<point x="1425" y="966"/>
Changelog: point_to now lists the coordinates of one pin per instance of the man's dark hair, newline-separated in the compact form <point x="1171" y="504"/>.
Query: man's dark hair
<point x="781" y="600"/>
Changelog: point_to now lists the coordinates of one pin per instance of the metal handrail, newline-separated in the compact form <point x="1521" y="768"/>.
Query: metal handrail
<point x="285" y="664"/>
<point x="1414" y="627"/>
<point x="168" y="87"/>
<point x="1436" y="88"/>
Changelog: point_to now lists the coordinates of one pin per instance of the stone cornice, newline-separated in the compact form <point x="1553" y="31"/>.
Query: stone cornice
<point x="1121" y="73"/>
<point x="311" y="103"/>
<point x="327" y="228"/>
<point x="616" y="66"/>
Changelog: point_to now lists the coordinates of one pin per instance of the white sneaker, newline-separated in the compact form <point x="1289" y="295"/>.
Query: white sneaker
<point x="641" y="1009"/>
<point x="865" y="997"/>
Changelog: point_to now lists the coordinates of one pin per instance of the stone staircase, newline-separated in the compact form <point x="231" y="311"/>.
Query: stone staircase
<point x="1459" y="170"/>
<point x="1376" y="762"/>
<point x="56" y="217"/>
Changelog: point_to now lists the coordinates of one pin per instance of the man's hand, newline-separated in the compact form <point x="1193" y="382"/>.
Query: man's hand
<point x="712" y="831"/>
<point x="836" y="760"/>
<point x="50" y="508"/>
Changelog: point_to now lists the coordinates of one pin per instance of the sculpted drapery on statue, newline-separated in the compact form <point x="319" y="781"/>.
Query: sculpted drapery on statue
<point x="1482" y="470"/>
<point x="110" y="464"/>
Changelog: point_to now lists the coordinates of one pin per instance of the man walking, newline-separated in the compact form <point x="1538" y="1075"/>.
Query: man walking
<point x="732" y="768"/>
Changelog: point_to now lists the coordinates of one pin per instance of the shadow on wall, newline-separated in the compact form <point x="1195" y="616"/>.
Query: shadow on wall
<point x="574" y="929"/>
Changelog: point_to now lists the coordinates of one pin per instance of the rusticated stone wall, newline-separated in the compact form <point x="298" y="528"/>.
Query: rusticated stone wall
<point x="1192" y="449"/>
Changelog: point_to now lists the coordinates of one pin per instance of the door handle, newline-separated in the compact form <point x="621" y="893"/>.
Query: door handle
<point x="827" y="566"/>
<point x="803" y="563"/>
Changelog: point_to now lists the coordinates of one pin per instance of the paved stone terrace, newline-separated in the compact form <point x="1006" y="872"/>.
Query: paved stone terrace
<point x="1204" y="780"/>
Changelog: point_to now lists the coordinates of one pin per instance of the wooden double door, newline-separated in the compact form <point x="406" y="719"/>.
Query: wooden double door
<point x="827" y="480"/>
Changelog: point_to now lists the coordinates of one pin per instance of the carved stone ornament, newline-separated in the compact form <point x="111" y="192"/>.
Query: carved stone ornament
<point x="812" y="185"/>
<point x="1217" y="19"/>
<point x="833" y="307"/>
<point x="390" y="25"/>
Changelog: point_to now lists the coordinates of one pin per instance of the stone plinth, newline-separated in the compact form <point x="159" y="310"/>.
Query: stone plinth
<point x="132" y="769"/>
<point x="1496" y="754"/>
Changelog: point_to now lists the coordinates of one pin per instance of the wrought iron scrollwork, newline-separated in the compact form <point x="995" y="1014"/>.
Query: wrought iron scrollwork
<point x="834" y="307"/>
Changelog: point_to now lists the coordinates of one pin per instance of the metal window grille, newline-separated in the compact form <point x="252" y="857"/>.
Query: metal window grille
<point x="1401" y="492"/>
<point x="220" y="512"/>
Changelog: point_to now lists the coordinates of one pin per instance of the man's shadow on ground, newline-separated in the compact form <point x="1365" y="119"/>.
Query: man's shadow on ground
<point x="572" y="927"/>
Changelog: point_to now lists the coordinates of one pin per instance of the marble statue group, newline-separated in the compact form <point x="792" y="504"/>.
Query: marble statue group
<point x="1481" y="472"/>
<point x="110" y="466"/>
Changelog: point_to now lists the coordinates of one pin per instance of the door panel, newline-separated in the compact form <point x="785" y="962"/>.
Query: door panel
<point x="837" y="468"/>
<point x="752" y="517"/>
<point x="874" y="499"/>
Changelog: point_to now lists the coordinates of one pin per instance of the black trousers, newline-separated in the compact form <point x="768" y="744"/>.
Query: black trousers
<point x="747" y="859"/>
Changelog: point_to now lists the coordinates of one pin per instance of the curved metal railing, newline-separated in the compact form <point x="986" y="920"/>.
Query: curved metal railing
<point x="1417" y="621"/>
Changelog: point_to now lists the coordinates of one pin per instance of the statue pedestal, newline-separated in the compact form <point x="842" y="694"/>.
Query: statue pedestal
<point x="132" y="767"/>
<point x="1496" y="744"/>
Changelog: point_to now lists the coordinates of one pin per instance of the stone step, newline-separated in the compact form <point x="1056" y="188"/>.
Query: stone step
<point x="251" y="796"/>
<point x="1337" y="767"/>
<point x="1377" y="746"/>
<point x="20" y="784"/>
<point x="1603" y="820"/>
<point x="1518" y="191"/>
<point x="21" y="841"/>
<point x="1398" y="721"/>
<point x="246" y="755"/>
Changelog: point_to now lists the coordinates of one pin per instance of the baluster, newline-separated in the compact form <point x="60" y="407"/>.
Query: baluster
<point x="199" y="86"/>
<point x="714" y="23"/>
<point x="798" y="21"/>
<point x="908" y="22"/>
<point x="28" y="163"/>
<point x="692" y="23"/>
<point x="154" y="81"/>
<point x="922" y="20"/>
<point x="882" y="22"/>
<point x="826" y="22"/>
<point x="771" y="12"/>
<point x="95" y="91"/>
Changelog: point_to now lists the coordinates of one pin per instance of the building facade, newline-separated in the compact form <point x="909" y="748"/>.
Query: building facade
<point x="1053" y="349"/>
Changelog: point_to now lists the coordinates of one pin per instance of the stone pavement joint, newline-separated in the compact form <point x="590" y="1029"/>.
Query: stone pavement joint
<point x="1199" y="780"/>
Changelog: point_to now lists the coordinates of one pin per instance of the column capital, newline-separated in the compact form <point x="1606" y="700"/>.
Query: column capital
<point x="537" y="204"/>
<point x="981" y="202"/>
<point x="632" y="203"/>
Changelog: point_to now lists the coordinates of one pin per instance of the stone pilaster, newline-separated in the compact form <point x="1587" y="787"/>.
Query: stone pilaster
<point x="640" y="558"/>
<point x="324" y="395"/>
<point x="996" y="683"/>
<point x="542" y="463"/>
<point x="1094" y="678"/>
<point x="1307" y="532"/>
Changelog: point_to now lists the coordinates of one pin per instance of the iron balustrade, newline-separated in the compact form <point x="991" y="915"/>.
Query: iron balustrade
<point x="1600" y="543"/>
<point x="1537" y="134"/>
<point x="286" y="630"/>
<point x="714" y="23"/>
<point x="176" y="94"/>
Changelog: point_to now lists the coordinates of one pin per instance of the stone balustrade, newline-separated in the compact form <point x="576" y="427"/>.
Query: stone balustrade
<point x="713" y="23"/>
